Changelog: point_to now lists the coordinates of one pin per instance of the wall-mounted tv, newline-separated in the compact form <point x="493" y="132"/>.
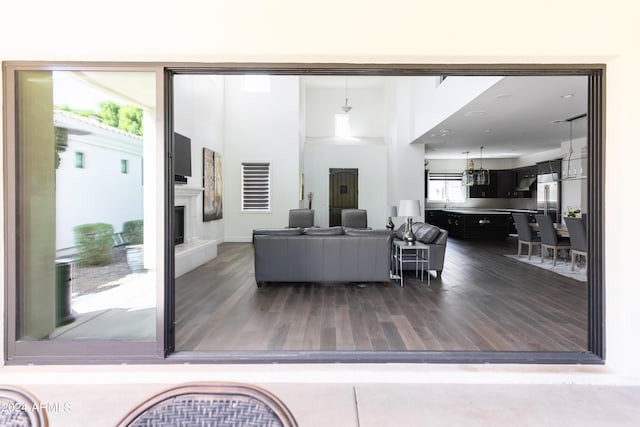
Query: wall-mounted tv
<point x="181" y="157"/>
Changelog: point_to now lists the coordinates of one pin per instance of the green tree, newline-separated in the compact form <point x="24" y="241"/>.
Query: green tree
<point x="130" y="119"/>
<point x="110" y="113"/>
<point x="125" y="117"/>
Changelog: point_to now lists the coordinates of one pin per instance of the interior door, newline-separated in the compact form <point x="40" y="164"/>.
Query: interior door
<point x="343" y="193"/>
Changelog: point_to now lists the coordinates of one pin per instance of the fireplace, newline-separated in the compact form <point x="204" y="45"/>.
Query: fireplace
<point x="178" y="225"/>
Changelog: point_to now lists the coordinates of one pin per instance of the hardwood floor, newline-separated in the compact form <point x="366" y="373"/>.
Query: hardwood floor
<point x="483" y="302"/>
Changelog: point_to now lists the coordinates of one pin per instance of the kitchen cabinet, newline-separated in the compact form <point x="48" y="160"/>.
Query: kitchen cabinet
<point x="485" y="191"/>
<point x="473" y="223"/>
<point x="455" y="224"/>
<point x="506" y="183"/>
<point x="486" y="226"/>
<point x="437" y="217"/>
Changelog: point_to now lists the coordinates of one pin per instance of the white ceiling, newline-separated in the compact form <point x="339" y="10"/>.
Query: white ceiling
<point x="517" y="116"/>
<point x="514" y="117"/>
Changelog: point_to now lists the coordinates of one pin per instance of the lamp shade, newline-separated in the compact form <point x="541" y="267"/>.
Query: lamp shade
<point x="409" y="208"/>
<point x="391" y="211"/>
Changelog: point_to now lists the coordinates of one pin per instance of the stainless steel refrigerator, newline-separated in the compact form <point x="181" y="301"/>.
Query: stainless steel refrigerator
<point x="548" y="195"/>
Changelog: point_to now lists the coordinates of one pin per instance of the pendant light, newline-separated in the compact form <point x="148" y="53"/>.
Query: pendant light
<point x="467" y="173"/>
<point x="481" y="176"/>
<point x="346" y="108"/>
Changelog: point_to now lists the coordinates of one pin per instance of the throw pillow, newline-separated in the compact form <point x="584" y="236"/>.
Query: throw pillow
<point x="426" y="233"/>
<point x="277" y="231"/>
<point x="366" y="232"/>
<point x="319" y="231"/>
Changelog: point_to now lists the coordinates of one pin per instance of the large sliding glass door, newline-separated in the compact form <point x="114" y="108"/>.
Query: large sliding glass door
<point x="85" y="214"/>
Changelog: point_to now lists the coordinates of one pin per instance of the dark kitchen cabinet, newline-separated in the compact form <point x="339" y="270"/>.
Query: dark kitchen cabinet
<point x="455" y="224"/>
<point x="437" y="218"/>
<point x="506" y="183"/>
<point x="486" y="226"/>
<point x="485" y="191"/>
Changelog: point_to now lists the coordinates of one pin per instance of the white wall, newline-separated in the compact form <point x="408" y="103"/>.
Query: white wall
<point x="365" y="119"/>
<point x="99" y="192"/>
<point x="261" y="127"/>
<point x="371" y="161"/>
<point x="198" y="114"/>
<point x="405" y="161"/>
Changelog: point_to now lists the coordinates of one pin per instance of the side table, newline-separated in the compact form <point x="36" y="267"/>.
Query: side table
<point x="417" y="253"/>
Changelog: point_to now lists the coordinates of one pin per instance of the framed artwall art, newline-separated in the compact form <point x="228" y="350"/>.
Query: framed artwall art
<point x="212" y="183"/>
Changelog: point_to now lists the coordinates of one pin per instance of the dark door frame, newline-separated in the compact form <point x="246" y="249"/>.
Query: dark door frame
<point x="332" y="173"/>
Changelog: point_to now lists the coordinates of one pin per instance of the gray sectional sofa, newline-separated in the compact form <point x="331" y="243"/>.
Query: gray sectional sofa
<point x="333" y="254"/>
<point x="336" y="254"/>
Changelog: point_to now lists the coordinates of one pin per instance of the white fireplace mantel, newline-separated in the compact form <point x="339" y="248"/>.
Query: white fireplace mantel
<point x="194" y="251"/>
<point x="182" y="191"/>
<point x="187" y="197"/>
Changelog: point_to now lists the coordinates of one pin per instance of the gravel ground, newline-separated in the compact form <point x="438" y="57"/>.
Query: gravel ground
<point x="88" y="280"/>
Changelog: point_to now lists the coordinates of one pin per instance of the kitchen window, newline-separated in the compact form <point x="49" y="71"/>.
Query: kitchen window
<point x="445" y="187"/>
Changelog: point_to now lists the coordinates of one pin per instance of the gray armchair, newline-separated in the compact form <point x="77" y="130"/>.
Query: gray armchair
<point x="211" y="404"/>
<point x="354" y="218"/>
<point x="302" y="218"/>
<point x="549" y="238"/>
<point x="21" y="408"/>
<point x="525" y="233"/>
<point x="578" y="237"/>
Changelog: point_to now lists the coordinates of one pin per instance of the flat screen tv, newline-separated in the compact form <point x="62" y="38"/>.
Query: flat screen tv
<point x="181" y="157"/>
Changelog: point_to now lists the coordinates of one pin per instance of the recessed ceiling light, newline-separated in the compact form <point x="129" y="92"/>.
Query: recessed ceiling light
<point x="503" y="96"/>
<point x="487" y="131"/>
<point x="444" y="131"/>
<point x="474" y="113"/>
<point x="433" y="134"/>
<point x="567" y="96"/>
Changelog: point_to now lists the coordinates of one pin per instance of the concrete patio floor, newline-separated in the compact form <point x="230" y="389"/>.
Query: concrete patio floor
<point x="421" y="396"/>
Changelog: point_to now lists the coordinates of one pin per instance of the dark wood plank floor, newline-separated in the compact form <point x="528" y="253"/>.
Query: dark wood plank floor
<point x="483" y="302"/>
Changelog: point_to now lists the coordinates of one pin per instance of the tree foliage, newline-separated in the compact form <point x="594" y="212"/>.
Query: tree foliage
<point x="125" y="117"/>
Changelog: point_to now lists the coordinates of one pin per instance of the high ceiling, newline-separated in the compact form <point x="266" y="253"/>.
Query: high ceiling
<point x="516" y="116"/>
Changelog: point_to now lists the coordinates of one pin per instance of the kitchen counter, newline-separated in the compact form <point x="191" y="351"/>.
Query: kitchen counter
<point x="487" y="224"/>
<point x="463" y="211"/>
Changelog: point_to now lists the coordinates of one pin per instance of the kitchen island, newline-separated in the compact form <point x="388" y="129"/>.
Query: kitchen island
<point x="472" y="223"/>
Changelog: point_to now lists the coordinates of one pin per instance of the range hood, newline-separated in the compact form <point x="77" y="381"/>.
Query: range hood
<point x="526" y="183"/>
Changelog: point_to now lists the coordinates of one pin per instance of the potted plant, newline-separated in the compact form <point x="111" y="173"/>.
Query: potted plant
<point x="132" y="231"/>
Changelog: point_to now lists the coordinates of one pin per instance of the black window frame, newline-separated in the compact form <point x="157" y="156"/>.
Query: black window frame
<point x="163" y="350"/>
<point x="595" y="354"/>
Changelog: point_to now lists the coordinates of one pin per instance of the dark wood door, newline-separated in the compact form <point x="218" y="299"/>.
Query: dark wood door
<point x="343" y="193"/>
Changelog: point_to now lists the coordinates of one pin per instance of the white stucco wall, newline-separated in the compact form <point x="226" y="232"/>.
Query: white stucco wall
<point x="99" y="192"/>
<point x="573" y="32"/>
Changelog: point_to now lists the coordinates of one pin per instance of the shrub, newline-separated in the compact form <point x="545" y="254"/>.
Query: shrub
<point x="132" y="232"/>
<point x="94" y="243"/>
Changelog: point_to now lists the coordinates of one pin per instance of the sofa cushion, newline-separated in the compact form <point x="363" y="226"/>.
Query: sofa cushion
<point x="327" y="231"/>
<point x="426" y="233"/>
<point x="278" y="231"/>
<point x="366" y="232"/>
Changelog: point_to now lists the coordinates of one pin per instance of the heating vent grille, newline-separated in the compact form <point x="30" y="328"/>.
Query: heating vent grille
<point x="256" y="186"/>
